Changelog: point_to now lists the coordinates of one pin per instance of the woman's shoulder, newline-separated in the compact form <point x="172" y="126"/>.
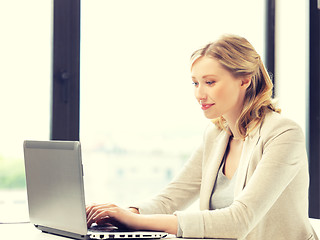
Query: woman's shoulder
<point x="275" y="123"/>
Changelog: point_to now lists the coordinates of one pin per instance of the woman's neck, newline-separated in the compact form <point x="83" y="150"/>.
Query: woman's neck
<point x="232" y="124"/>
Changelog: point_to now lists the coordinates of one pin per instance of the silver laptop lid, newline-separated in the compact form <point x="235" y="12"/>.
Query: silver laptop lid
<point x="54" y="175"/>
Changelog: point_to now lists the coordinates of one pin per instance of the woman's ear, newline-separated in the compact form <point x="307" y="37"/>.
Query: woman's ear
<point x="246" y="81"/>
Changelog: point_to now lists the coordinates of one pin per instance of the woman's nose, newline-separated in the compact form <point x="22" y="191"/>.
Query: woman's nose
<point x="200" y="93"/>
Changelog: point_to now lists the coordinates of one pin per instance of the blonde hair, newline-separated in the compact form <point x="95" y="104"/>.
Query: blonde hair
<point x="239" y="57"/>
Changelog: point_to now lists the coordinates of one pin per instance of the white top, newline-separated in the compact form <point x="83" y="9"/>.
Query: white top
<point x="222" y="193"/>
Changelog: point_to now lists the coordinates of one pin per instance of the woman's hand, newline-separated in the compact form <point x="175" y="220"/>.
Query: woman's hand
<point x="110" y="214"/>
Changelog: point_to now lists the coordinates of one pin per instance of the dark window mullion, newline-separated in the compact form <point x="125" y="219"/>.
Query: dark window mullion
<point x="314" y="110"/>
<point x="270" y="38"/>
<point x="65" y="79"/>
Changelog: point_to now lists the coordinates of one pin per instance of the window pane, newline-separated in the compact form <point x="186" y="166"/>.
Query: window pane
<point x="292" y="33"/>
<point x="139" y="119"/>
<point x="25" y="93"/>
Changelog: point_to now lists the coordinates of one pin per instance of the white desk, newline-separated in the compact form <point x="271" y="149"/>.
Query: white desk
<point x="29" y="232"/>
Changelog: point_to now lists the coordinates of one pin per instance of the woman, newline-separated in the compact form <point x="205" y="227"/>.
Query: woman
<point x="250" y="172"/>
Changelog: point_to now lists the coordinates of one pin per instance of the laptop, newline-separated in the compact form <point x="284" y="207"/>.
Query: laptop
<point x="54" y="176"/>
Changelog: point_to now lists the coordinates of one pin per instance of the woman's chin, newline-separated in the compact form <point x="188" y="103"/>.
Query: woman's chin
<point x="211" y="116"/>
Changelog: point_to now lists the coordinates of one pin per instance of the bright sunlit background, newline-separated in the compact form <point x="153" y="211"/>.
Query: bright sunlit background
<point x="139" y="121"/>
<point x="25" y="76"/>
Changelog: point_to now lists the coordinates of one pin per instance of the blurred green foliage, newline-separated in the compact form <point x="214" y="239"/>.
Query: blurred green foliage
<point x="12" y="173"/>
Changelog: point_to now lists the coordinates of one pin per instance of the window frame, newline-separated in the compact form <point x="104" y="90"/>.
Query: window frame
<point x="66" y="70"/>
<point x="270" y="39"/>
<point x="314" y="109"/>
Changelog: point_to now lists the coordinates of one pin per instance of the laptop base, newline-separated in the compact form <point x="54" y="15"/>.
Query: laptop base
<point x="61" y="233"/>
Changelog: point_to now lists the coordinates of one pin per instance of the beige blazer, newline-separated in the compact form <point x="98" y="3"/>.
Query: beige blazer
<point x="270" y="195"/>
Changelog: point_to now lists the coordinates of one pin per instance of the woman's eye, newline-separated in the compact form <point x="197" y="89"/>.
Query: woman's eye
<point x="210" y="82"/>
<point x="195" y="84"/>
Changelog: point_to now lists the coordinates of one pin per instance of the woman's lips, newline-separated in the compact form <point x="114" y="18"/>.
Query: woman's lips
<point x="206" y="106"/>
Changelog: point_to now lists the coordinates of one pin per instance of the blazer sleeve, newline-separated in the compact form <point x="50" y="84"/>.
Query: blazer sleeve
<point x="283" y="155"/>
<point x="181" y="192"/>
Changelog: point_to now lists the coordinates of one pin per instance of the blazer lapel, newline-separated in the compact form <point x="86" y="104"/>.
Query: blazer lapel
<point x="247" y="151"/>
<point x="211" y="170"/>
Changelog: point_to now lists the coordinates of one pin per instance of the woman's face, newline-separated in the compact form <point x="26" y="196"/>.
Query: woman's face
<point x="218" y="92"/>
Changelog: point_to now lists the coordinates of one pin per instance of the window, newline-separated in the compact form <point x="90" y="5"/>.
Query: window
<point x="24" y="95"/>
<point x="291" y="70"/>
<point x="139" y="120"/>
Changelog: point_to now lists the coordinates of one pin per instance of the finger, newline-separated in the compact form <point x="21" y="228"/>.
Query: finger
<point x="90" y="221"/>
<point x="103" y="214"/>
<point x="109" y="218"/>
<point x="93" y="209"/>
<point x="90" y="215"/>
<point x="98" y="214"/>
<point x="88" y="209"/>
<point x="97" y="207"/>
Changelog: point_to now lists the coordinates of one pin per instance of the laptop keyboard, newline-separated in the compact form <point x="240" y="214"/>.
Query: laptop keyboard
<point x="97" y="228"/>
